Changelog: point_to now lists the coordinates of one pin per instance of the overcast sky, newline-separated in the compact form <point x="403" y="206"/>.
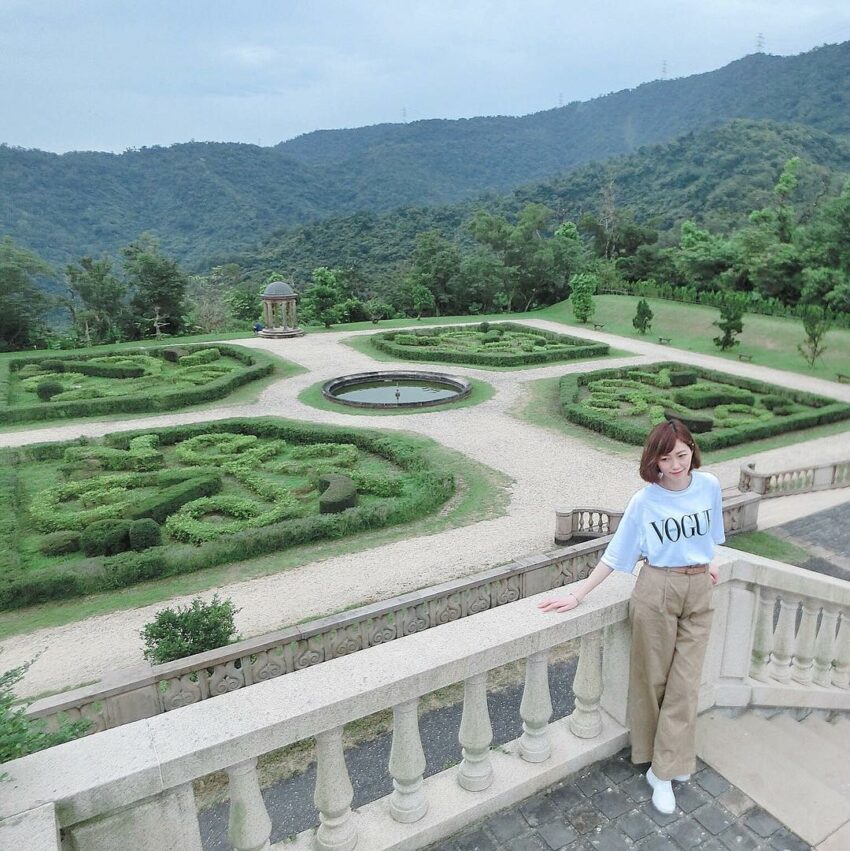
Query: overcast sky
<point x="114" y="74"/>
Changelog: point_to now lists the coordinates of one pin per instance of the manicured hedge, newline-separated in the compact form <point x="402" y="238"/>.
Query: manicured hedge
<point x="256" y="365"/>
<point x="429" y="490"/>
<point x="820" y="410"/>
<point x="571" y="348"/>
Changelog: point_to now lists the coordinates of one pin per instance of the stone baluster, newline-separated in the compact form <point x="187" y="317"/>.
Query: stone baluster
<point x="407" y="763"/>
<point x="536" y="709"/>
<point x="783" y="640"/>
<point x="841" y="669"/>
<point x="763" y="635"/>
<point x="249" y="827"/>
<point x="804" y="654"/>
<point x="476" y="771"/>
<point x="333" y="795"/>
<point x="824" y="648"/>
<point x="586" y="719"/>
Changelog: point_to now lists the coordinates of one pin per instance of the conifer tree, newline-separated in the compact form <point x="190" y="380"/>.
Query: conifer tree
<point x="642" y="320"/>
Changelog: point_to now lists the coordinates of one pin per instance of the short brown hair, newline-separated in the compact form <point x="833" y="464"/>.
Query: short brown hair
<point x="660" y="442"/>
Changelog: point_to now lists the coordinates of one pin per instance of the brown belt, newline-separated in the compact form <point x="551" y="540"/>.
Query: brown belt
<point x="688" y="569"/>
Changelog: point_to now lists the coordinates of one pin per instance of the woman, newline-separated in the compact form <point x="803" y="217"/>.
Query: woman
<point x="674" y="523"/>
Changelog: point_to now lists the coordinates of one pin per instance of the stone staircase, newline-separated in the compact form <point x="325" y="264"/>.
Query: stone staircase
<point x="796" y="768"/>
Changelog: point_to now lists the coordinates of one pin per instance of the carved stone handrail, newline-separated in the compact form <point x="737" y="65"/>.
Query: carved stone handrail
<point x="133" y="694"/>
<point x="132" y="786"/>
<point x="573" y="523"/>
<point x="817" y="477"/>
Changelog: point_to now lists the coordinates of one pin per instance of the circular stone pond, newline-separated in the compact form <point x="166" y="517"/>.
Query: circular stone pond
<point x="400" y="389"/>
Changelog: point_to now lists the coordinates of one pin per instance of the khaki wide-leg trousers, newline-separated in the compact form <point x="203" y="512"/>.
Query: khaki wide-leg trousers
<point x="671" y="618"/>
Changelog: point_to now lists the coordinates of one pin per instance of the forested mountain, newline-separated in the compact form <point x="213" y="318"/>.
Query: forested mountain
<point x="715" y="177"/>
<point x="208" y="200"/>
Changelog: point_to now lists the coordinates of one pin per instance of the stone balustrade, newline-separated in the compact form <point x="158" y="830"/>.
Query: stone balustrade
<point x="572" y="523"/>
<point x="800" y="480"/>
<point x="134" y="694"/>
<point x="132" y="786"/>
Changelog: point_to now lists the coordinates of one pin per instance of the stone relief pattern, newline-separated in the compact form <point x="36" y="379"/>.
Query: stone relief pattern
<point x="476" y="600"/>
<point x="341" y="642"/>
<point x="267" y="664"/>
<point x="184" y="690"/>
<point x="307" y="652"/>
<point x="507" y="590"/>
<point x="226" y="678"/>
<point x="413" y="619"/>
<point x="445" y="609"/>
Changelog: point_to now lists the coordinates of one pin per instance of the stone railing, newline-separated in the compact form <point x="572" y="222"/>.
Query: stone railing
<point x="132" y="786"/>
<point x="800" y="480"/>
<point x="573" y="523"/>
<point x="133" y="694"/>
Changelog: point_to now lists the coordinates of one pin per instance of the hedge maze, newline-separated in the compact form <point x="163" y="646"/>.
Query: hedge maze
<point x="487" y="344"/>
<point x="723" y="410"/>
<point x="124" y="381"/>
<point x="86" y="516"/>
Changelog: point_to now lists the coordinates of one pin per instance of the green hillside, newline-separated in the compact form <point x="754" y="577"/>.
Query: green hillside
<point x="213" y="200"/>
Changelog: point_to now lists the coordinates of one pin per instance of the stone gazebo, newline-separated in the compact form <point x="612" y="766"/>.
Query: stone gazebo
<point x="279" y="318"/>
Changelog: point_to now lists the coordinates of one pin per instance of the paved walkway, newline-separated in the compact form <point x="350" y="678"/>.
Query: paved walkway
<point x="547" y="469"/>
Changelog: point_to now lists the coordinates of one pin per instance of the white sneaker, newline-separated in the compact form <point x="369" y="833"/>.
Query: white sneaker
<point x="682" y="778"/>
<point x="663" y="798"/>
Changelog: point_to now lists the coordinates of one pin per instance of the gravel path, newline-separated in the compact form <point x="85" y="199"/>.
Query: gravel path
<point x="548" y="469"/>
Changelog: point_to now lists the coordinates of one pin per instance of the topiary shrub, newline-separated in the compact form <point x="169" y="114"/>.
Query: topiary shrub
<point x="106" y="537"/>
<point x="173" y="354"/>
<point x="682" y="378"/>
<point x="145" y="533"/>
<point x="46" y="390"/>
<point x="696" y="423"/>
<point x="199" y="357"/>
<point x="337" y="492"/>
<point x="186" y="630"/>
<point x="167" y="501"/>
<point x="52" y="365"/>
<point x="59" y="543"/>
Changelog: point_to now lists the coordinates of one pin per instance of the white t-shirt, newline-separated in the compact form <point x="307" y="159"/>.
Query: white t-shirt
<point x="669" y="528"/>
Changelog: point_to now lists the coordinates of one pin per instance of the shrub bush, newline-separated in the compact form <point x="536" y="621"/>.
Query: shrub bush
<point x="200" y="356"/>
<point x="170" y="499"/>
<point x="59" y="543"/>
<point x="145" y="533"/>
<point x="52" y="365"/>
<point x="703" y="395"/>
<point x="46" y="390"/>
<point x="173" y="354"/>
<point x="106" y="537"/>
<point x="336" y="493"/>
<point x="187" y="630"/>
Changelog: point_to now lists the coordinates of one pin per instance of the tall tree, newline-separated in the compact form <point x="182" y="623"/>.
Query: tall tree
<point x="23" y="301"/>
<point x="730" y="323"/>
<point x="326" y="300"/>
<point x="158" y="287"/>
<point x="436" y="263"/>
<point x="96" y="300"/>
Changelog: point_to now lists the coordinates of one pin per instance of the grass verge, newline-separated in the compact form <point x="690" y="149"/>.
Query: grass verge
<point x="768" y="546"/>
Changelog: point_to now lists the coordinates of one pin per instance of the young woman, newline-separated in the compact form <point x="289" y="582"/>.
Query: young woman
<point x="674" y="523"/>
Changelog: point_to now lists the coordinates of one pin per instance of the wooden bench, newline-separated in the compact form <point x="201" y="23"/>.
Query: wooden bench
<point x="598" y="326"/>
<point x="747" y="358"/>
<point x="665" y="341"/>
<point x="843" y="378"/>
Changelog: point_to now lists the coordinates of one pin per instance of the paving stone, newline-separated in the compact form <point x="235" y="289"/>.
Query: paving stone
<point x="712" y="782"/>
<point x="556" y="834"/>
<point x="592" y="782"/>
<point x="784" y="840"/>
<point x="687" y="833"/>
<point x="566" y="797"/>
<point x="713" y="844"/>
<point x="610" y="839"/>
<point x="506" y="825"/>
<point x="659" y="818"/>
<point x="762" y="822"/>
<point x="448" y="845"/>
<point x="658" y="843"/>
<point x="689" y="796"/>
<point x="637" y="788"/>
<point x="739" y="837"/>
<point x="636" y="825"/>
<point x="736" y="802"/>
<point x="538" y="810"/>
<point x="585" y="818"/>
<point x="612" y="802"/>
<point x="617" y="770"/>
<point x="713" y="818"/>
<point x="477" y="840"/>
<point x="526" y="843"/>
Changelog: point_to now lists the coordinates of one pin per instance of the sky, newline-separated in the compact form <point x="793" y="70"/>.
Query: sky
<point x="110" y="75"/>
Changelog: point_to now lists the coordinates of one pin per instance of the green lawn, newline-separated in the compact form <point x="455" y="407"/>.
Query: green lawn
<point x="772" y="341"/>
<point x="767" y="545"/>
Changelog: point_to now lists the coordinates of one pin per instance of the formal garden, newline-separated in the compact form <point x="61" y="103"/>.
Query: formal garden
<point x="124" y="380"/>
<point x="724" y="410"/>
<point x="91" y="516"/>
<point x="493" y="344"/>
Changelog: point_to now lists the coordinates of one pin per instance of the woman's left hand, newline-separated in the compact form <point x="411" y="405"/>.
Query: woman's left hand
<point x="714" y="573"/>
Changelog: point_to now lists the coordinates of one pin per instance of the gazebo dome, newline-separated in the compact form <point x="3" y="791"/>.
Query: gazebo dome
<point x="278" y="288"/>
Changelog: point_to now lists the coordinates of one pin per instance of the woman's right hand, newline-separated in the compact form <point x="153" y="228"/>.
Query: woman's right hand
<point x="560" y="604"/>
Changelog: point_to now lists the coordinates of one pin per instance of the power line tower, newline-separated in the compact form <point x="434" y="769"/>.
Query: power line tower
<point x="760" y="43"/>
<point x="663" y="69"/>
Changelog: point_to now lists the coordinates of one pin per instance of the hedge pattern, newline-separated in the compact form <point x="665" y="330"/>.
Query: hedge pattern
<point x="725" y="410"/>
<point x="223" y="491"/>
<point x="204" y="378"/>
<point x="487" y="344"/>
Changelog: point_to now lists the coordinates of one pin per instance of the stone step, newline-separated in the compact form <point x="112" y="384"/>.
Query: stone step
<point x="737" y="748"/>
<point x="839" y="735"/>
<point x="819" y="751"/>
